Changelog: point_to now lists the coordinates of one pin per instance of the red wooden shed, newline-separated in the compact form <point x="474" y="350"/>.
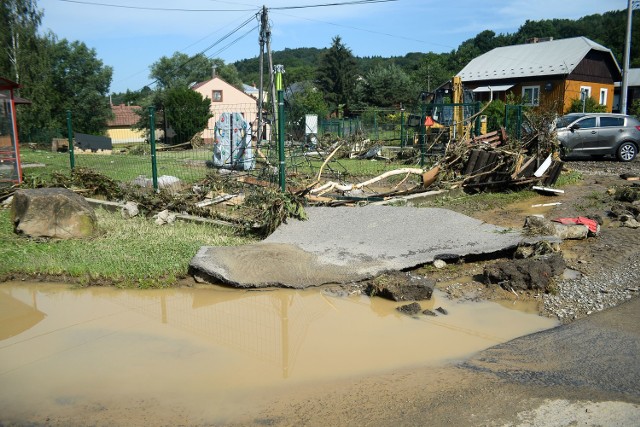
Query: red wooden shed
<point x="10" y="168"/>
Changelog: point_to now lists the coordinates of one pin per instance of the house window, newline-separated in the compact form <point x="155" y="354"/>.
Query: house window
<point x="603" y="96"/>
<point x="585" y="91"/>
<point x="531" y="95"/>
<point x="216" y="96"/>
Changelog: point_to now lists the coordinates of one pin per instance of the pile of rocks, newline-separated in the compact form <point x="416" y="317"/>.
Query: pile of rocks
<point x="584" y="295"/>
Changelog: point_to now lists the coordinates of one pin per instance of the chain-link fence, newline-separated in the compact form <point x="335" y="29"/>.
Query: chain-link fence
<point x="152" y="148"/>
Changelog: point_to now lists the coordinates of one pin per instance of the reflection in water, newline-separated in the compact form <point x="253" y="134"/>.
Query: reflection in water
<point x="217" y="344"/>
<point x="17" y="316"/>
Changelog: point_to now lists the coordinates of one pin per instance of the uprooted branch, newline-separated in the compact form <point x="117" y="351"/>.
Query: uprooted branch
<point x="331" y="185"/>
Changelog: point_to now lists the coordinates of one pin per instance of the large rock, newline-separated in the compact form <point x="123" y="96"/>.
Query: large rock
<point x="52" y="212"/>
<point x="401" y="287"/>
<point x="534" y="225"/>
<point x="525" y="274"/>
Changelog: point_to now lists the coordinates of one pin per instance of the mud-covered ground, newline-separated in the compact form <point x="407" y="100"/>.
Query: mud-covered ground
<point x="585" y="372"/>
<point x="605" y="267"/>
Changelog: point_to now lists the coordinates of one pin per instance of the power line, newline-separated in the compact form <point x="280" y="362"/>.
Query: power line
<point x="349" y="3"/>
<point x="229" y="34"/>
<point x="223" y="38"/>
<point x="367" y="30"/>
<point x="162" y="9"/>
<point x="222" y="49"/>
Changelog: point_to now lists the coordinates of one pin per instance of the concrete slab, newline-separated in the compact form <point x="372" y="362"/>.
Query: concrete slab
<point x="341" y="245"/>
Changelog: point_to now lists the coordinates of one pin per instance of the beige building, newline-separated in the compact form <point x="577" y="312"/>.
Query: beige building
<point x="225" y="98"/>
<point x="120" y="128"/>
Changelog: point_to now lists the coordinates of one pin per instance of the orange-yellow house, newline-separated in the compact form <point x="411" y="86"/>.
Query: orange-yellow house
<point x="225" y="98"/>
<point x="545" y="72"/>
<point x="120" y="127"/>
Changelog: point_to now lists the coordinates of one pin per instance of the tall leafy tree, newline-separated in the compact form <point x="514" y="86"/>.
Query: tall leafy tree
<point x="67" y="76"/>
<point x="19" y="22"/>
<point x="387" y="86"/>
<point x="337" y="75"/>
<point x="182" y="70"/>
<point x="434" y="69"/>
<point x="186" y="112"/>
<point x="306" y="99"/>
<point x="80" y="83"/>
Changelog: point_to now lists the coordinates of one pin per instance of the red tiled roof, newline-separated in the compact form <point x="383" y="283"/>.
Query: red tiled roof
<point x="124" y="115"/>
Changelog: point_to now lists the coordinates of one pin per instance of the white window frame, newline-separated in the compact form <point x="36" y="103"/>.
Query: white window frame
<point x="534" y="100"/>
<point x="585" y="89"/>
<point x="603" y="96"/>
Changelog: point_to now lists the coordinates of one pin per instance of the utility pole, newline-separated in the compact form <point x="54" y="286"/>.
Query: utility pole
<point x="627" y="51"/>
<point x="264" y="23"/>
<point x="279" y="70"/>
<point x="265" y="45"/>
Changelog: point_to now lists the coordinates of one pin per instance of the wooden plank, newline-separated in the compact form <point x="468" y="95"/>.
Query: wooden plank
<point x="473" y="158"/>
<point x="480" y="165"/>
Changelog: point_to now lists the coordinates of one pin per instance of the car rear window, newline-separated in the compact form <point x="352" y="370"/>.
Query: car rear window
<point x="611" y="121"/>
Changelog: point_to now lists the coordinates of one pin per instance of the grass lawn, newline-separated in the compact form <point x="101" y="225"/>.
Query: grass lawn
<point x="188" y="165"/>
<point x="128" y="253"/>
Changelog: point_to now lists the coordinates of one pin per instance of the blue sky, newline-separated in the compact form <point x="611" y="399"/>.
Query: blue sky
<point x="130" y="40"/>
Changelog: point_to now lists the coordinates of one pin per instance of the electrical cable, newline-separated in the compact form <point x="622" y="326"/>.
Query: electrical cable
<point x="350" y="3"/>
<point x="163" y="9"/>
<point x="222" y="49"/>
<point x="226" y="36"/>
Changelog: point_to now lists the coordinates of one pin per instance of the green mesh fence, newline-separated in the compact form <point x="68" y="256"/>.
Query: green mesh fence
<point x="346" y="150"/>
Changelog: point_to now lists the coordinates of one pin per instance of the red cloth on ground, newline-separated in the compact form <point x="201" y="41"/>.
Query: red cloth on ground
<point x="590" y="223"/>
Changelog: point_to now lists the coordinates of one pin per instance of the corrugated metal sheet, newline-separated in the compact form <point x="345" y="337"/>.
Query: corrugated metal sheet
<point x="531" y="60"/>
<point x="633" y="79"/>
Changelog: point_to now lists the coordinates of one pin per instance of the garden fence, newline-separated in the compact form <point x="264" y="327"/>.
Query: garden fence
<point x="156" y="151"/>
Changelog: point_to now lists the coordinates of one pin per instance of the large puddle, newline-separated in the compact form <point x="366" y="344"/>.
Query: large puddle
<point x="212" y="350"/>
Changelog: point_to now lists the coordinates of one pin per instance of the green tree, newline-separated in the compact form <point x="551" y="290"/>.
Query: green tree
<point x="590" y="106"/>
<point x="387" y="86"/>
<point x="635" y="108"/>
<point x="305" y="100"/>
<point x="337" y="76"/>
<point x="495" y="115"/>
<point x="19" y="22"/>
<point x="79" y="83"/>
<point x="433" y="70"/>
<point x="131" y="97"/>
<point x="182" y="70"/>
<point x="186" y="112"/>
<point x="65" y="76"/>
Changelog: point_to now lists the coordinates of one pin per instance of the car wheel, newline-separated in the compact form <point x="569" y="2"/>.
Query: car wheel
<point x="627" y="152"/>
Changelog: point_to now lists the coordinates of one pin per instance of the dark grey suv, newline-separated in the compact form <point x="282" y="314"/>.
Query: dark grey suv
<point x="599" y="134"/>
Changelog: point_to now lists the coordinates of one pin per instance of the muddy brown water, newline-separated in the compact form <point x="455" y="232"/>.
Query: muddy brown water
<point x="212" y="352"/>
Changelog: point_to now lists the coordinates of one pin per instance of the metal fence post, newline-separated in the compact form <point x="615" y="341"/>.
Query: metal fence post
<point x="375" y="123"/>
<point x="72" y="159"/>
<point x="152" y="141"/>
<point x="401" y="127"/>
<point x="423" y="129"/>
<point x="281" y="176"/>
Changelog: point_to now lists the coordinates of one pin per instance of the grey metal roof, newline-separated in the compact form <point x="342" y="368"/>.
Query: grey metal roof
<point x="633" y="79"/>
<point x="531" y="60"/>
